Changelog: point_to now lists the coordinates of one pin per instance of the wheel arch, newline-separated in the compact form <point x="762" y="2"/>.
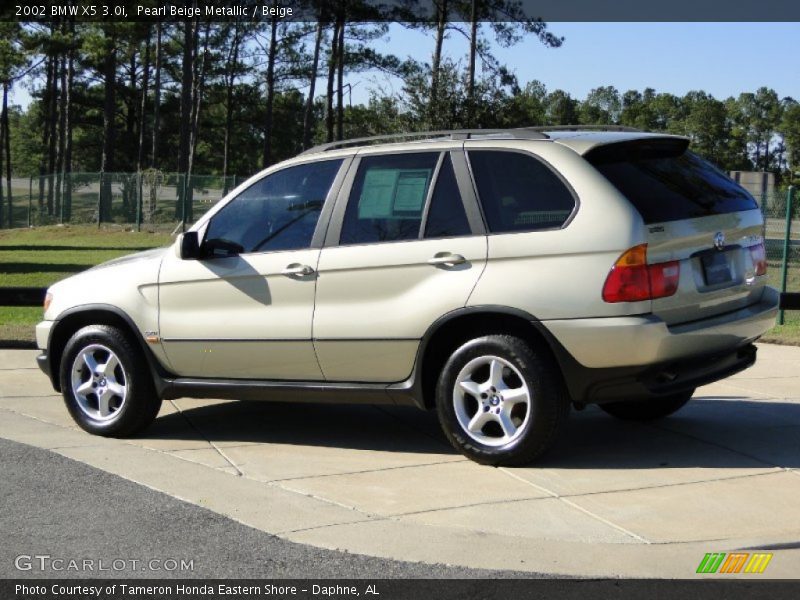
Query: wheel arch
<point x="75" y="318"/>
<point x="453" y="329"/>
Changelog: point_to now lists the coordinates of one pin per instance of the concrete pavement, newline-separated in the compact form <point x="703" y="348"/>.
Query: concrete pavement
<point x="614" y="499"/>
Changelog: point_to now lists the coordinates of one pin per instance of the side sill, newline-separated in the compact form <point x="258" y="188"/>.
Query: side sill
<point x="283" y="391"/>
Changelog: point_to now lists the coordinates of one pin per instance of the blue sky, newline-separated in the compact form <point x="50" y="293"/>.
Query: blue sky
<point x="724" y="59"/>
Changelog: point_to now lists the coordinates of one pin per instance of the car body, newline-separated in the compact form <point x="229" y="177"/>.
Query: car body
<point x="557" y="267"/>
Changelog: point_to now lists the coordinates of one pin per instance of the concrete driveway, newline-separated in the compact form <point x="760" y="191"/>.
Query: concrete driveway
<point x="614" y="499"/>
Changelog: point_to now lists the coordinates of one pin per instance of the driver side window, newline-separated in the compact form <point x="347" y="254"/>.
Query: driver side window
<point x="278" y="212"/>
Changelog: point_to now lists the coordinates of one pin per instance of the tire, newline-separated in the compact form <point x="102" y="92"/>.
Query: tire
<point x="524" y="414"/>
<point x="128" y="402"/>
<point x="648" y="410"/>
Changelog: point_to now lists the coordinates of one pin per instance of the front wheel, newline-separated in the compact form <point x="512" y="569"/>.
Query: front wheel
<point x="650" y="409"/>
<point x="500" y="401"/>
<point x="106" y="384"/>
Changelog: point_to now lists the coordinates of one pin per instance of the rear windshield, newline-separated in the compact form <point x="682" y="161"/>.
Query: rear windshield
<point x="667" y="183"/>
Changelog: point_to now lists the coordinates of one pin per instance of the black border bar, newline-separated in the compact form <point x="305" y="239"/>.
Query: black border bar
<point x="418" y="11"/>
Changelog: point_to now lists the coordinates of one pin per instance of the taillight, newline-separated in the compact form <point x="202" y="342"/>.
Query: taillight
<point x="759" y="255"/>
<point x="632" y="280"/>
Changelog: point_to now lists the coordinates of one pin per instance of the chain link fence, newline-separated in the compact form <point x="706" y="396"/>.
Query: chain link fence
<point x="149" y="199"/>
<point x="782" y="241"/>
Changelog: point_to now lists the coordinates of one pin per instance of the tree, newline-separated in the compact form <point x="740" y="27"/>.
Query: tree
<point x="510" y="24"/>
<point x="601" y="107"/>
<point x="561" y="108"/>
<point x="14" y="63"/>
<point x="790" y="130"/>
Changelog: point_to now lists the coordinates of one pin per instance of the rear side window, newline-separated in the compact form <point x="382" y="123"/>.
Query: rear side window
<point x="518" y="192"/>
<point x="388" y="198"/>
<point x="666" y="183"/>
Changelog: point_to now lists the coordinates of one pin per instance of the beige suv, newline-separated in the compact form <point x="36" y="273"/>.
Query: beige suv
<point x="497" y="276"/>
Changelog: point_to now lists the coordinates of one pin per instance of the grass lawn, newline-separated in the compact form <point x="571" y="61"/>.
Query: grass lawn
<point x="41" y="256"/>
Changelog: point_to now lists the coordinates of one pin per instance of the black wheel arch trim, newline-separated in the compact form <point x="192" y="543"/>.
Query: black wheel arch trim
<point x="413" y="386"/>
<point x="157" y="370"/>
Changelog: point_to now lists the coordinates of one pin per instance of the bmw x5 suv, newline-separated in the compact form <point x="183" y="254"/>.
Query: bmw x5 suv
<point x="499" y="277"/>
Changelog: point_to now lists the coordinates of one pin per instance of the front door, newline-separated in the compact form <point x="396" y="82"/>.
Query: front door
<point x="244" y="311"/>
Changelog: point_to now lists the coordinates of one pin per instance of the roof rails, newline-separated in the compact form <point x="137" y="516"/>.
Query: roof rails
<point x="586" y="128"/>
<point x="519" y="133"/>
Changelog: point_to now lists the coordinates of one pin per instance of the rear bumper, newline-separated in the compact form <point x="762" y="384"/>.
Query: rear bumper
<point x="605" y="360"/>
<point x="646" y="340"/>
<point x="596" y="386"/>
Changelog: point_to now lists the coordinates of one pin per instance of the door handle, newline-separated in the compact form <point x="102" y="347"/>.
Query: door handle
<point x="297" y="269"/>
<point x="446" y="258"/>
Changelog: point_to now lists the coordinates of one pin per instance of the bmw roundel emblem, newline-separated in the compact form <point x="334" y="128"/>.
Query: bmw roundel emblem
<point x="719" y="240"/>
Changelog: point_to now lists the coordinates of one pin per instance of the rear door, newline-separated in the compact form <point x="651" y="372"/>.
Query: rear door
<point x="696" y="215"/>
<point x="402" y="250"/>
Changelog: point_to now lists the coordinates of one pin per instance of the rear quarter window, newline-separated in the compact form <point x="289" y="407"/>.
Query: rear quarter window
<point x="519" y="192"/>
<point x="665" y="182"/>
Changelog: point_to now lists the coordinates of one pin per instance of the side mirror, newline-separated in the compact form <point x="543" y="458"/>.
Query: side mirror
<point x="190" y="246"/>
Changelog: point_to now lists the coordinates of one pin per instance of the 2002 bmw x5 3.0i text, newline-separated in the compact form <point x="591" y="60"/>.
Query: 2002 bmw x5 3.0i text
<point x="497" y="276"/>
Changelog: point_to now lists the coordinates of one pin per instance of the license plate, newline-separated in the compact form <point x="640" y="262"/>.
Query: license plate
<point x="716" y="268"/>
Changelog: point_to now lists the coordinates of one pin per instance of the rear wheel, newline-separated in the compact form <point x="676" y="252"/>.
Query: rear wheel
<point x="106" y="384"/>
<point x="501" y="402"/>
<point x="648" y="410"/>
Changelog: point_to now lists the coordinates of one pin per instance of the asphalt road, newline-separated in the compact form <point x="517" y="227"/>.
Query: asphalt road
<point x="53" y="506"/>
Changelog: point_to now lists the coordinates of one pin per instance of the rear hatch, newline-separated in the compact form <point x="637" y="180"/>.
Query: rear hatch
<point x="695" y="215"/>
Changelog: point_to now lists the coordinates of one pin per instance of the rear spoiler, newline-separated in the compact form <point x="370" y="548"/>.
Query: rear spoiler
<point x="636" y="149"/>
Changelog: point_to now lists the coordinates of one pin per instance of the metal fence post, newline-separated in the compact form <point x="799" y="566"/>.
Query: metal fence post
<point x="139" y="203"/>
<point x="786" y="238"/>
<point x="30" y="200"/>
<point x="100" y="202"/>
<point x="184" y="200"/>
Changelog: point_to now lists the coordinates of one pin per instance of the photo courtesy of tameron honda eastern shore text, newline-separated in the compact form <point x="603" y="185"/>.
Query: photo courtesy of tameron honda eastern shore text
<point x="499" y="277"/>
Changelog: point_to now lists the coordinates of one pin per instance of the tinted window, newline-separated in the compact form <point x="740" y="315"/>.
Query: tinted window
<point x="518" y="192"/>
<point x="278" y="212"/>
<point x="387" y="198"/>
<point x="446" y="216"/>
<point x="665" y="183"/>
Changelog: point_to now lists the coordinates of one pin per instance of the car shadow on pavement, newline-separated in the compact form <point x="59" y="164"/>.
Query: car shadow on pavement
<point x="356" y="427"/>
<point x="710" y="432"/>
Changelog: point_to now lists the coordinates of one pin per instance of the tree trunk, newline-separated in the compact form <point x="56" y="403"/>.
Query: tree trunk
<point x="230" y="81"/>
<point x="2" y="137"/>
<point x="340" y="80"/>
<point x="273" y="48"/>
<point x="130" y="114"/>
<point x="331" y="80"/>
<point x="48" y="89"/>
<point x="109" y="130"/>
<point x="473" y="47"/>
<point x="7" y="130"/>
<point x="156" y="98"/>
<point x="436" y="63"/>
<point x="199" y="78"/>
<point x="67" y="202"/>
<point x="145" y="82"/>
<point x="52" y="139"/>
<point x="62" y="137"/>
<point x="309" y="112"/>
<point x="186" y="114"/>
